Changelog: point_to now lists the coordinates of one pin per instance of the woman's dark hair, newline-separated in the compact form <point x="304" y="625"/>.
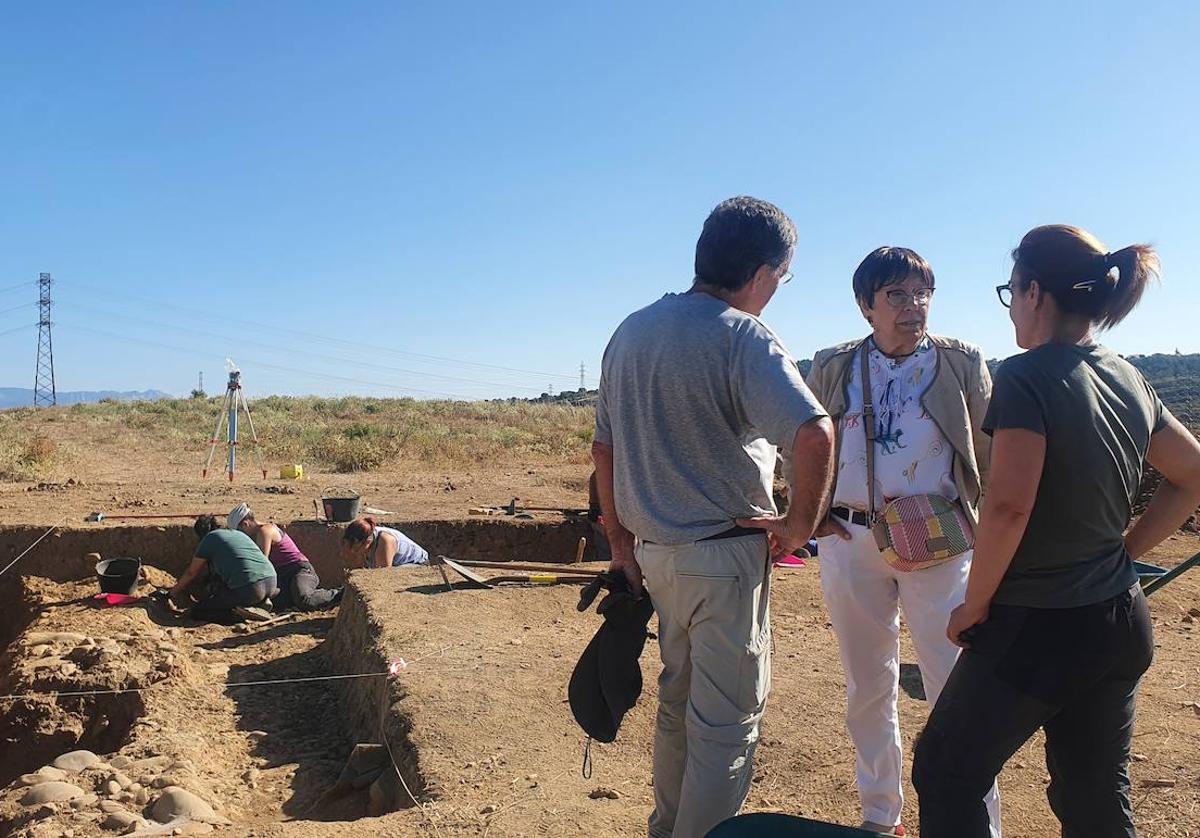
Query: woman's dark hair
<point x="740" y="236"/>
<point x="206" y="524"/>
<point x="359" y="530"/>
<point x="886" y="266"/>
<point x="1076" y="269"/>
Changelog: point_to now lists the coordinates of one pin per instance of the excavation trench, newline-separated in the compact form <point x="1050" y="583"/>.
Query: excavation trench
<point x="348" y="748"/>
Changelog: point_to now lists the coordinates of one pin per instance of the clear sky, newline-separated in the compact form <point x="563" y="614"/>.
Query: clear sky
<point x="331" y="193"/>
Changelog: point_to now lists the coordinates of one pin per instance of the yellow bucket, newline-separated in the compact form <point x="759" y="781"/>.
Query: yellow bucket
<point x="291" y="472"/>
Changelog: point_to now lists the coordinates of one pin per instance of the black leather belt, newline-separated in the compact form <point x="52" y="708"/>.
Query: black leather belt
<point x="733" y="532"/>
<point x="854" y="516"/>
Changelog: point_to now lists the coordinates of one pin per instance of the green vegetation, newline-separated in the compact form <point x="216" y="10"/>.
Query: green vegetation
<point x="343" y="434"/>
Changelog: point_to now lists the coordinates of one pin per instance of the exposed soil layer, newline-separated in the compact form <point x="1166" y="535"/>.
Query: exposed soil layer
<point x="477" y="725"/>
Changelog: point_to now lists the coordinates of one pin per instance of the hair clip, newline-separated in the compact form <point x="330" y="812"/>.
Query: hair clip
<point x="1086" y="285"/>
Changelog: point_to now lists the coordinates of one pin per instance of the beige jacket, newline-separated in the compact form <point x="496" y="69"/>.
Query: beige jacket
<point x="956" y="399"/>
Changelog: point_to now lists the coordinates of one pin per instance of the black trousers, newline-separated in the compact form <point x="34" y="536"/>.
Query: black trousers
<point x="221" y="600"/>
<point x="1072" y="671"/>
<point x="299" y="588"/>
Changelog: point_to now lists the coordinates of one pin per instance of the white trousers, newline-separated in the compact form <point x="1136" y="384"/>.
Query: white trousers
<point x="864" y="595"/>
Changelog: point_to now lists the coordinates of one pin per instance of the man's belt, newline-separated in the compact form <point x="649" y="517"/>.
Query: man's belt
<point x="733" y="532"/>
<point x="854" y="516"/>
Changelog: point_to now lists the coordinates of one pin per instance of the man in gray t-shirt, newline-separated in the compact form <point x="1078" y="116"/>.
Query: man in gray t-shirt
<point x="696" y="395"/>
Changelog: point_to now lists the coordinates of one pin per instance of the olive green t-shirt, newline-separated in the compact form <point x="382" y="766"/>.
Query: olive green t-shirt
<point x="233" y="556"/>
<point x="1097" y="414"/>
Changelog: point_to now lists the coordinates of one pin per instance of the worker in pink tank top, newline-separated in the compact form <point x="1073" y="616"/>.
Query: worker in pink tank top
<point x="299" y="585"/>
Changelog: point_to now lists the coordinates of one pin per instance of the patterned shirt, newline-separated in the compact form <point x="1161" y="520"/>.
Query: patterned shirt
<point x="912" y="456"/>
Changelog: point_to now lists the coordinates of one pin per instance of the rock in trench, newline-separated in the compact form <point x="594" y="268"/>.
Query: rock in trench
<point x="76" y="760"/>
<point x="51" y="792"/>
<point x="176" y="802"/>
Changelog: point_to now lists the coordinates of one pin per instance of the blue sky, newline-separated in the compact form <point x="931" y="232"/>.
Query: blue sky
<point x="386" y="198"/>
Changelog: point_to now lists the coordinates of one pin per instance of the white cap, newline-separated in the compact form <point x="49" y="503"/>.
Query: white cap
<point x="238" y="514"/>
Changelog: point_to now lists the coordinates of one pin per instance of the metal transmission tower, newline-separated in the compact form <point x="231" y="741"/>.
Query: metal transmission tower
<point x="44" y="394"/>
<point x="582" y="384"/>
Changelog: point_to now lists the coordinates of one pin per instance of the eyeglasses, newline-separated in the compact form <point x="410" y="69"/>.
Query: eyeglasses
<point x="786" y="278"/>
<point x="1004" y="292"/>
<point x="900" y="298"/>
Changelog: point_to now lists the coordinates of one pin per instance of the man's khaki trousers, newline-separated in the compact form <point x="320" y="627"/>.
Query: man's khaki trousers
<point x="713" y="604"/>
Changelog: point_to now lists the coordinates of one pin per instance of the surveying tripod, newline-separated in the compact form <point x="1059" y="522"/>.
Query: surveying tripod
<point x="234" y="398"/>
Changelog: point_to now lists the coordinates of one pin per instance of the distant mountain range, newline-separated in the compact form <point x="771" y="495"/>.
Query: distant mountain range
<point x="23" y="397"/>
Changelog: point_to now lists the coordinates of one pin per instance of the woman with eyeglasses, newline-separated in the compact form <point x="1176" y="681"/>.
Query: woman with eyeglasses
<point x="1054" y="622"/>
<point x="915" y="428"/>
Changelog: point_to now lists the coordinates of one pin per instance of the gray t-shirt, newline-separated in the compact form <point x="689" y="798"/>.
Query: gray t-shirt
<point x="1097" y="414"/>
<point x="695" y="396"/>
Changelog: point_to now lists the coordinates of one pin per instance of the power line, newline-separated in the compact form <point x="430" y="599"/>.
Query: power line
<point x="18" y="285"/>
<point x="291" y="350"/>
<point x="260" y="363"/>
<point x="308" y="335"/>
<point x="18" y="329"/>
<point x="17" y="308"/>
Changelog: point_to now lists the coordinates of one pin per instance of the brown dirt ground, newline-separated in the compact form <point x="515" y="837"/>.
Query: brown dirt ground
<point x="496" y="741"/>
<point x="157" y="482"/>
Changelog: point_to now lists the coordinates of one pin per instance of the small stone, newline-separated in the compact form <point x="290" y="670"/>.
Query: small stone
<point x="68" y="669"/>
<point x="53" y="791"/>
<point x="76" y="760"/>
<point x="1136" y="757"/>
<point x="110" y="806"/>
<point x="1158" y="784"/>
<point x="170" y="648"/>
<point x="112" y="787"/>
<point x="178" y="802"/>
<point x="516" y="641"/>
<point x="42" y="775"/>
<point x="250" y="775"/>
<point x="119" y="820"/>
<point x="120" y="762"/>
<point x="41" y="651"/>
<point x="137" y="826"/>
<point x="84" y="802"/>
<point x="141" y="797"/>
<point x="120" y="779"/>
<point x="256" y="735"/>
<point x="165" y="781"/>
<point x="488" y="810"/>
<point x="121" y="637"/>
<point x="605" y="794"/>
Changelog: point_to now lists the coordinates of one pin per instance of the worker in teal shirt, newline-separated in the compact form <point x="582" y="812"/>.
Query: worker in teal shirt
<point x="241" y="579"/>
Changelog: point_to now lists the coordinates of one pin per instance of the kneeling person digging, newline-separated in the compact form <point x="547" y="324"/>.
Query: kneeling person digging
<point x="240" y="579"/>
<point x="299" y="585"/>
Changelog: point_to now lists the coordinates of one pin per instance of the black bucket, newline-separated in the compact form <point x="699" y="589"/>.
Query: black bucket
<point x="341" y="508"/>
<point x="119" y="576"/>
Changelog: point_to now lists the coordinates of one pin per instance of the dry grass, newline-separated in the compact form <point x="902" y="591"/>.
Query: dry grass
<point x="26" y="452"/>
<point x="343" y="434"/>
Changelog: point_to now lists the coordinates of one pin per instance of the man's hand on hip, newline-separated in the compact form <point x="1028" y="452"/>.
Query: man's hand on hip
<point x="783" y="533"/>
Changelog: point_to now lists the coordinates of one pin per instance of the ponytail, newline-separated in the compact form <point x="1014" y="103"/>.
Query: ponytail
<point x="1073" y="267"/>
<point x="359" y="530"/>
<point x="1135" y="265"/>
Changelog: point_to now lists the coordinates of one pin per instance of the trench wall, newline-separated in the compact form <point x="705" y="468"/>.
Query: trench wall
<point x="62" y="556"/>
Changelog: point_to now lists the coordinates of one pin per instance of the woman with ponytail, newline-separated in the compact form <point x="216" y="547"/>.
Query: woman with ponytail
<point x="1055" y="626"/>
<point x="368" y="544"/>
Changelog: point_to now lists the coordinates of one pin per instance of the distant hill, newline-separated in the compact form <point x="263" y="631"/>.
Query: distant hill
<point x="1176" y="378"/>
<point x="23" y="397"/>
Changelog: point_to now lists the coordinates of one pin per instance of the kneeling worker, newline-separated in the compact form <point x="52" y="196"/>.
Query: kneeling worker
<point x="299" y="585"/>
<point x="241" y="580"/>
